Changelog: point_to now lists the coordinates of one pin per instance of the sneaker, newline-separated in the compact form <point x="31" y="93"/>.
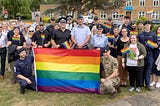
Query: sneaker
<point x="152" y="84"/>
<point x="131" y="89"/>
<point x="138" y="89"/>
<point x="157" y="85"/>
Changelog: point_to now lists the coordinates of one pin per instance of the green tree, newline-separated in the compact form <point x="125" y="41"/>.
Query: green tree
<point x="82" y="6"/>
<point x="17" y="7"/>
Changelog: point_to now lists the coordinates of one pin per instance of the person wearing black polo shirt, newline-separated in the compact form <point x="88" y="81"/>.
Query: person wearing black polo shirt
<point x="50" y="28"/>
<point x="60" y="35"/>
<point x="41" y="37"/>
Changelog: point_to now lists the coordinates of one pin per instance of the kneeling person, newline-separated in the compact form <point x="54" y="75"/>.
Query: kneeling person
<point x="23" y="70"/>
<point x="109" y="72"/>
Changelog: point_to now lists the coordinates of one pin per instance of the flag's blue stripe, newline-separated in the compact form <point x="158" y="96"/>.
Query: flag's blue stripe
<point x="68" y="83"/>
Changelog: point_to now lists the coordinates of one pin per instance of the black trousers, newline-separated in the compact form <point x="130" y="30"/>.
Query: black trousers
<point x="135" y="75"/>
<point x="3" y="52"/>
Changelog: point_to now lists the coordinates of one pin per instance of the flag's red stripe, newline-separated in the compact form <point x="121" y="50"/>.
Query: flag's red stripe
<point x="67" y="52"/>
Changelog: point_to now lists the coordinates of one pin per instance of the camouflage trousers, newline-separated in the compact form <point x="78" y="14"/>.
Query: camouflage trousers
<point x="109" y="85"/>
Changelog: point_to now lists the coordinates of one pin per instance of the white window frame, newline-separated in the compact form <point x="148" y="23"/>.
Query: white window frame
<point x="141" y="14"/>
<point x="115" y="15"/>
<point x="155" y="15"/>
<point x="155" y="3"/>
<point x="103" y="15"/>
<point x="129" y="3"/>
<point x="142" y="3"/>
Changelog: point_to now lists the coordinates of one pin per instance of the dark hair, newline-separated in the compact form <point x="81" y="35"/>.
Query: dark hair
<point x="127" y="17"/>
<point x="157" y="29"/>
<point x="36" y="27"/>
<point x="16" y="28"/>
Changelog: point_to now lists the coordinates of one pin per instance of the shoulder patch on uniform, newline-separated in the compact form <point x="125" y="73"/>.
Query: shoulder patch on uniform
<point x="115" y="64"/>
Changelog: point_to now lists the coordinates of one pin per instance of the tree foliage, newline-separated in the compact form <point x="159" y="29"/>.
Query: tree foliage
<point x="86" y="5"/>
<point x="15" y="7"/>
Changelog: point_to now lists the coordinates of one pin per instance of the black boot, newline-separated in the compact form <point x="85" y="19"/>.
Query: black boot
<point x="22" y="90"/>
<point x="117" y="87"/>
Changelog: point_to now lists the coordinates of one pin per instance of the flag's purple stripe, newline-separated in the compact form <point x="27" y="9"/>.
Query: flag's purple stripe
<point x="67" y="89"/>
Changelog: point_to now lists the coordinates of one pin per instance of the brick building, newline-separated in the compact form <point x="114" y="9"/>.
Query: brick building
<point x="133" y="8"/>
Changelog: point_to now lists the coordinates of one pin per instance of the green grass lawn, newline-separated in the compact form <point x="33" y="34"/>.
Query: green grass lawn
<point x="10" y="96"/>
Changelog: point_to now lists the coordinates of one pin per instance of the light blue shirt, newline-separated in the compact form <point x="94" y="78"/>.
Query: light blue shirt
<point x="99" y="41"/>
<point x="3" y="39"/>
<point x="80" y="33"/>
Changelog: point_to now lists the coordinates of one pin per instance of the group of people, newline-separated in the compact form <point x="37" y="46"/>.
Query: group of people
<point x="128" y="48"/>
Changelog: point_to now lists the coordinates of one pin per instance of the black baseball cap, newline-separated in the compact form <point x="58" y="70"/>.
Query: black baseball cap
<point x="99" y="26"/>
<point x="96" y="18"/>
<point x="52" y="19"/>
<point x="79" y="17"/>
<point x="20" y="50"/>
<point x="105" y="49"/>
<point x="109" y="18"/>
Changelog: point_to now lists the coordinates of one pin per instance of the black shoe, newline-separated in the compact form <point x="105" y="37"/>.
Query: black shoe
<point x="148" y="88"/>
<point x="117" y="87"/>
<point x="22" y="90"/>
<point x="112" y="95"/>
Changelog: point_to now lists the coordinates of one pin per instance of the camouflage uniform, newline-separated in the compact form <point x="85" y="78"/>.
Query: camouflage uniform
<point x="110" y="65"/>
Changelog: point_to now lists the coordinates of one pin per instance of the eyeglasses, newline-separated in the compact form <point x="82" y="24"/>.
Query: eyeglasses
<point x="31" y="31"/>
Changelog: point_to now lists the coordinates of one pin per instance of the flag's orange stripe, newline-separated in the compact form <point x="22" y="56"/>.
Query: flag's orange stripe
<point x="67" y="59"/>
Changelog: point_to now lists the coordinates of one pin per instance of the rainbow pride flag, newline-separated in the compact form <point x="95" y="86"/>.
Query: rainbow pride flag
<point x="42" y="36"/>
<point x="30" y="35"/>
<point x="17" y="38"/>
<point x="158" y="35"/>
<point x="149" y="11"/>
<point x="65" y="70"/>
<point x="66" y="45"/>
<point x="107" y="25"/>
<point x="151" y="44"/>
<point x="133" y="32"/>
<point x="125" y="50"/>
<point x="110" y="36"/>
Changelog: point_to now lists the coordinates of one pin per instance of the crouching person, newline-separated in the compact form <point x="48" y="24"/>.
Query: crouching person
<point x="23" y="69"/>
<point x="109" y="74"/>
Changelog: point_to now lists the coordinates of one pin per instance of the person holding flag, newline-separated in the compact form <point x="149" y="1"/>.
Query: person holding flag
<point x="133" y="60"/>
<point x="123" y="74"/>
<point x="149" y="40"/>
<point x="61" y="37"/>
<point x="112" y="39"/>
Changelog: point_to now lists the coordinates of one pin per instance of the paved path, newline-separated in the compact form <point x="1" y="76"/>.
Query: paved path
<point x="151" y="98"/>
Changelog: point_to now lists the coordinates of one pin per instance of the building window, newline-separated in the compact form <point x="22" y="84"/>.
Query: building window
<point x="155" y="2"/>
<point x="129" y="3"/>
<point x="141" y="2"/>
<point x="141" y="14"/>
<point x="155" y="15"/>
<point x="103" y="14"/>
<point x="115" y="15"/>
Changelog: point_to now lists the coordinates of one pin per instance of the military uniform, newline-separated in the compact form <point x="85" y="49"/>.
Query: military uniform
<point x="24" y="67"/>
<point x="109" y="65"/>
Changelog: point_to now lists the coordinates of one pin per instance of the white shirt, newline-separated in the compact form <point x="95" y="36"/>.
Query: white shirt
<point x="3" y="39"/>
<point x="132" y="62"/>
<point x="69" y="26"/>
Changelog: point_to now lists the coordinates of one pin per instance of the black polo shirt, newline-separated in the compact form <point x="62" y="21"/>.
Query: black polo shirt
<point x="50" y="29"/>
<point x="60" y="37"/>
<point x="41" y="38"/>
